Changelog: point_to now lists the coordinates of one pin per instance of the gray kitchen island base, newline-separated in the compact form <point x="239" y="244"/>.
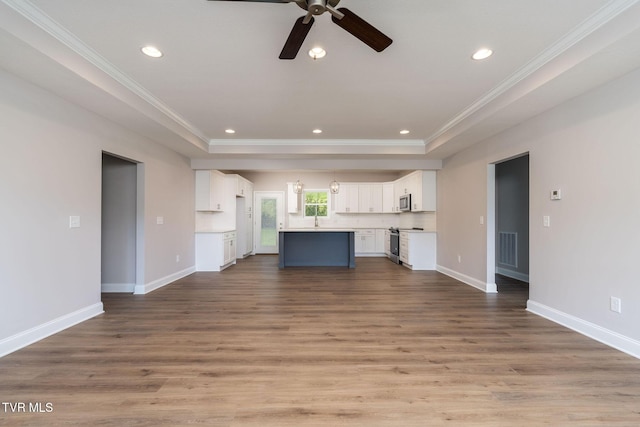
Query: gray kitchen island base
<point x="316" y="248"/>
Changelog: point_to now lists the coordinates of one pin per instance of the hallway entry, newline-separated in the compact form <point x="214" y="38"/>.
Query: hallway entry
<point x="512" y="219"/>
<point x="119" y="224"/>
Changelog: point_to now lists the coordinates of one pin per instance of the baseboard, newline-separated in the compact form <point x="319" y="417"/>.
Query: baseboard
<point x="37" y="333"/>
<point x="152" y="286"/>
<point x="591" y="330"/>
<point x="489" y="288"/>
<point x="125" y="288"/>
<point x="513" y="274"/>
<point x="369" y="255"/>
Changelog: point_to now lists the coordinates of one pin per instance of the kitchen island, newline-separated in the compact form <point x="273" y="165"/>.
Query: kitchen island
<point x="316" y="247"/>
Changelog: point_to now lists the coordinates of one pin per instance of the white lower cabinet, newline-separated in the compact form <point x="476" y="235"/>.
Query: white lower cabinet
<point x="369" y="242"/>
<point x="215" y="251"/>
<point x="365" y="241"/>
<point x="229" y="248"/>
<point x="418" y="250"/>
<point x="381" y="241"/>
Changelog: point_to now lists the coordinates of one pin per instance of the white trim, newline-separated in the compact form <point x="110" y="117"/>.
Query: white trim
<point x="513" y="274"/>
<point x="126" y="288"/>
<point x="318" y="142"/>
<point x="490" y="224"/>
<point x="163" y="281"/>
<point x="36" y="16"/>
<point x="489" y="288"/>
<point x="40" y="332"/>
<point x="591" y="330"/>
<point x="605" y="14"/>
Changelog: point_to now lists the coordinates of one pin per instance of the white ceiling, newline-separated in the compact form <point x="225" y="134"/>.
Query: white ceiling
<point x="221" y="70"/>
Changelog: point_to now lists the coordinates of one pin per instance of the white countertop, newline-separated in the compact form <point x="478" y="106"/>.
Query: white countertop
<point x="316" y="229"/>
<point x="222" y="230"/>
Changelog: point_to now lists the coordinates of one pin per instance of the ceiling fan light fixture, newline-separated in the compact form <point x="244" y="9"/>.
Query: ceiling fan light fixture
<point x="317" y="53"/>
<point x="481" y="54"/>
<point x="151" y="51"/>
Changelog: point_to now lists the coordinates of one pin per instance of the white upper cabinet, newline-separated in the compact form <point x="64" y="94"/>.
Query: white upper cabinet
<point x="423" y="194"/>
<point x="210" y="191"/>
<point x="347" y="199"/>
<point x="378" y="197"/>
<point x="370" y="198"/>
<point x="421" y="185"/>
<point x="248" y="195"/>
<point x="388" y="198"/>
<point x="244" y="187"/>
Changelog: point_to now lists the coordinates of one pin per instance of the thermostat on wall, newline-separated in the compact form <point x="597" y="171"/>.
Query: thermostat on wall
<point x="556" y="194"/>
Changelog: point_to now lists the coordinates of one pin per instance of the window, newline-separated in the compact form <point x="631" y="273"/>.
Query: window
<point x="316" y="203"/>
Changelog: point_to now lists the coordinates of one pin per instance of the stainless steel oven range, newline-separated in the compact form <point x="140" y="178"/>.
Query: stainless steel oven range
<point x="394" y="245"/>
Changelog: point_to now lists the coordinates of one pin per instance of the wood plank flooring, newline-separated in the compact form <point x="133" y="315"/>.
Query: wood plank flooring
<point x="378" y="345"/>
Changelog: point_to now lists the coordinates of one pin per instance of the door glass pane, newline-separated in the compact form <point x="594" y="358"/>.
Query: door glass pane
<point x="269" y="221"/>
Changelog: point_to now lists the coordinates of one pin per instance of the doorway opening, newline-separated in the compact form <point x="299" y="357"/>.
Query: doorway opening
<point x="122" y="225"/>
<point x="508" y="224"/>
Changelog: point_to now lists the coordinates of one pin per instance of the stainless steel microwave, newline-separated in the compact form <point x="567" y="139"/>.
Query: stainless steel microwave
<point x="405" y="202"/>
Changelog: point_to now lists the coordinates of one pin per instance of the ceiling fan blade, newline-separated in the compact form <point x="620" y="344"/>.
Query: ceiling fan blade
<point x="296" y="38"/>
<point x="361" y="29"/>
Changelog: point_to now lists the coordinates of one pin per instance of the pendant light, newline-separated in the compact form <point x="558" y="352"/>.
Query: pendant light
<point x="334" y="187"/>
<point x="297" y="187"/>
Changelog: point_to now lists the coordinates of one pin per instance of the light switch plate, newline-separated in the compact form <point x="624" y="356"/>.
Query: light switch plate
<point x="556" y="194"/>
<point x="546" y="221"/>
<point x="74" y="221"/>
<point x="160" y="220"/>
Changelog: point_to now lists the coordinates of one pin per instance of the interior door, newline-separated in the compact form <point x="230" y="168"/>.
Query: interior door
<point x="269" y="218"/>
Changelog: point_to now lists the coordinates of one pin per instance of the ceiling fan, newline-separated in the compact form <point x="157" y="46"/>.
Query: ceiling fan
<point x="343" y="17"/>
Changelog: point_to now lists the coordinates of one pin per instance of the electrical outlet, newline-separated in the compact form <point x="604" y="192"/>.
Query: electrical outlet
<point x="615" y="304"/>
<point x="459" y="258"/>
<point x="159" y="220"/>
<point x="177" y="258"/>
<point x="546" y="221"/>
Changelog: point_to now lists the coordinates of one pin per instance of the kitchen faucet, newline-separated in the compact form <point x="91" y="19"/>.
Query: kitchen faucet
<point x="316" y="224"/>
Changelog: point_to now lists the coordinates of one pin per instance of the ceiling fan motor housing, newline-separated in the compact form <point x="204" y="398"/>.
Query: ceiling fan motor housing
<point x="316" y="7"/>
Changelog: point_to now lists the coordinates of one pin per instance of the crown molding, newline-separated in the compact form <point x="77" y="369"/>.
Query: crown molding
<point x="318" y="142"/>
<point x="41" y="20"/>
<point x="601" y="17"/>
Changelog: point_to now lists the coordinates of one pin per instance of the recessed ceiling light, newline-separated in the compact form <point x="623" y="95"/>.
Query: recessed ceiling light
<point x="317" y="53"/>
<point x="483" y="53"/>
<point x="231" y="131"/>
<point x="404" y="132"/>
<point x="151" y="51"/>
<point x="317" y="131"/>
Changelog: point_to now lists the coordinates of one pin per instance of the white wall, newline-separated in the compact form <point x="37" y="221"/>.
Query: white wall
<point x="50" y="168"/>
<point x="588" y="147"/>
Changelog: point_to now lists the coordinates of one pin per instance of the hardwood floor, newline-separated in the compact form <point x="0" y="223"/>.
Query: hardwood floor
<point x="378" y="345"/>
